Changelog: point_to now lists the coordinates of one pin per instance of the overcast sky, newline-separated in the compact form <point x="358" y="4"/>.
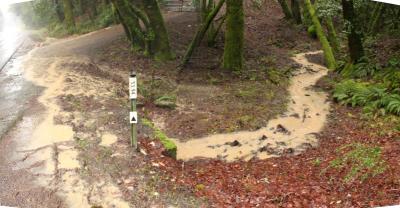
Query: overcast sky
<point x="390" y="1"/>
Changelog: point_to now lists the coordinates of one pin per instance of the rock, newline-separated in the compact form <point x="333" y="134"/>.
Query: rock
<point x="305" y="146"/>
<point x="289" y="151"/>
<point x="295" y="115"/>
<point x="165" y="104"/>
<point x="235" y="143"/>
<point x="281" y="143"/>
<point x="68" y="79"/>
<point x="280" y="128"/>
<point x="263" y="138"/>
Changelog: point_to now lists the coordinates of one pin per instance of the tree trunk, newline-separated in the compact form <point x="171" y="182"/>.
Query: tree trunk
<point x="234" y="35"/>
<point x="59" y="11"/>
<point x="332" y="36"/>
<point x="211" y="29"/>
<point x="296" y="11"/>
<point x="201" y="32"/>
<point x="376" y="18"/>
<point x="328" y="53"/>
<point x="285" y="9"/>
<point x="69" y="15"/>
<point x="354" y="36"/>
<point x="160" y="44"/>
<point x="130" y="22"/>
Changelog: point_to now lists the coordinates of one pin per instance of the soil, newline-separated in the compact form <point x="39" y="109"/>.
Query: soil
<point x="210" y="100"/>
<point x="304" y="180"/>
<point x="73" y="146"/>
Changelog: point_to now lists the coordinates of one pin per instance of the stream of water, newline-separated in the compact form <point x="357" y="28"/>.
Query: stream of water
<point x="292" y="132"/>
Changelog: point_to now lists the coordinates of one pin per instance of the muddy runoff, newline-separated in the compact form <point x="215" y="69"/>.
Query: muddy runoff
<point x="47" y="147"/>
<point x="290" y="133"/>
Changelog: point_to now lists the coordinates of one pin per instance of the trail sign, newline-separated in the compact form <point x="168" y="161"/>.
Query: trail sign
<point x="133" y="86"/>
<point x="133" y="117"/>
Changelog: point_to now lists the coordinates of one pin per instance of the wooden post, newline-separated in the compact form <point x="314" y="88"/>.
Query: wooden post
<point x="133" y="117"/>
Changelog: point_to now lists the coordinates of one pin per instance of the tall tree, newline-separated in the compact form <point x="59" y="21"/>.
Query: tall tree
<point x="332" y="35"/>
<point x="356" y="49"/>
<point x="296" y="11"/>
<point x="285" y="9"/>
<point x="328" y="53"/>
<point x="160" y="45"/>
<point x="201" y="31"/>
<point x="59" y="11"/>
<point x="234" y="35"/>
<point x="69" y="15"/>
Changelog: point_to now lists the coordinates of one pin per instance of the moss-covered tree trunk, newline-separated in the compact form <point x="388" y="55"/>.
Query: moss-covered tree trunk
<point x="332" y="35"/>
<point x="160" y="44"/>
<point x="69" y="15"/>
<point x="285" y="9"/>
<point x="130" y="22"/>
<point x="201" y="32"/>
<point x="356" y="49"/>
<point x="211" y="30"/>
<point x="328" y="53"/>
<point x="234" y="35"/>
<point x="296" y="11"/>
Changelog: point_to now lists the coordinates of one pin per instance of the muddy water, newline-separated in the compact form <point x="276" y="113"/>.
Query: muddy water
<point x="47" y="148"/>
<point x="289" y="133"/>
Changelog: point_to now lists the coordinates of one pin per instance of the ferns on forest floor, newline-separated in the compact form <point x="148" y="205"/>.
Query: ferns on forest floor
<point x="375" y="88"/>
<point x="375" y="99"/>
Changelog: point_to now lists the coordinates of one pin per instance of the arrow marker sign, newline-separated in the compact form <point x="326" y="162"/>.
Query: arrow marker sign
<point x="133" y="117"/>
<point x="396" y="2"/>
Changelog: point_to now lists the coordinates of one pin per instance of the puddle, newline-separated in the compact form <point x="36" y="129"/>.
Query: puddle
<point x="108" y="139"/>
<point x="292" y="132"/>
<point x="67" y="159"/>
<point x="47" y="149"/>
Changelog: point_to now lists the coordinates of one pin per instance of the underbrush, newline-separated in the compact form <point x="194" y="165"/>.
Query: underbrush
<point x="84" y="25"/>
<point x="359" y="161"/>
<point x="373" y="87"/>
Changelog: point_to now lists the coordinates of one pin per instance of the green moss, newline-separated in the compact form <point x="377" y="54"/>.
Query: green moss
<point x="168" y="144"/>
<point x="312" y="32"/>
<point x="326" y="47"/>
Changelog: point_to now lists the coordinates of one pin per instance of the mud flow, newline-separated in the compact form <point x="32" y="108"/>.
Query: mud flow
<point x="290" y="133"/>
<point x="47" y="147"/>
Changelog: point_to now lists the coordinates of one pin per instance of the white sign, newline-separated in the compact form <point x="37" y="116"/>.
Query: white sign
<point x="133" y="117"/>
<point x="396" y="2"/>
<point x="133" y="87"/>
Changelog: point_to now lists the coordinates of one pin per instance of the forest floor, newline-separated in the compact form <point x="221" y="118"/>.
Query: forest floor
<point x="73" y="141"/>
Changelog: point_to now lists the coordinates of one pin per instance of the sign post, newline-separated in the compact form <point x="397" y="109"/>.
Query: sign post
<point x="133" y="116"/>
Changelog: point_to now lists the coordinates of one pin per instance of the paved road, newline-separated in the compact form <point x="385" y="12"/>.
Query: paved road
<point x="14" y="90"/>
<point x="11" y="37"/>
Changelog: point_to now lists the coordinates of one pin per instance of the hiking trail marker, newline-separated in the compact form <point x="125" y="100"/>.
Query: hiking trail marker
<point x="133" y="115"/>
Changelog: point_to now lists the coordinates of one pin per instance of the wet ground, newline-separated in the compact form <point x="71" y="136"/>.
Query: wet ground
<point x="37" y="148"/>
<point x="291" y="132"/>
<point x="14" y="90"/>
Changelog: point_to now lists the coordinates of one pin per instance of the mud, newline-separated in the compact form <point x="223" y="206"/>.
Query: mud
<point x="46" y="145"/>
<point x="290" y="133"/>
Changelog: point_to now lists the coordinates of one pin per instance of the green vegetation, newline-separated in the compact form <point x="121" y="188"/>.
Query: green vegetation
<point x="371" y="86"/>
<point x="168" y="144"/>
<point x="58" y="23"/>
<point x="360" y="161"/>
